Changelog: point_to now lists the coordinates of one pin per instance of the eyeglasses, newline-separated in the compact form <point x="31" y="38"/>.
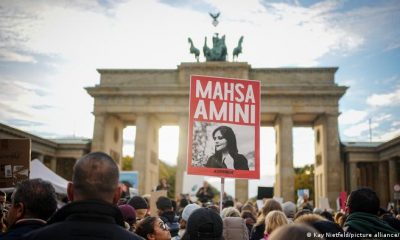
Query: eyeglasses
<point x="163" y="226"/>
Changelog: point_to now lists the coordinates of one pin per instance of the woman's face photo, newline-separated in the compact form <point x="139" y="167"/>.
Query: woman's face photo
<point x="220" y="142"/>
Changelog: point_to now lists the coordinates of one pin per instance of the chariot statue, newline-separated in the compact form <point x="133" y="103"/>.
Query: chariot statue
<point x="219" y="51"/>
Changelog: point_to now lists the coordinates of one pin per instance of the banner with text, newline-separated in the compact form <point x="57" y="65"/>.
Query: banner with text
<point x="224" y="127"/>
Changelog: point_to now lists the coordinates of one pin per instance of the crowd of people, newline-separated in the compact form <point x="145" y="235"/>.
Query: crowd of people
<point x="95" y="211"/>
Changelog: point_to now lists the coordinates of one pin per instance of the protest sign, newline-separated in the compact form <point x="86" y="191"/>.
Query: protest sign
<point x="15" y="159"/>
<point x="224" y="127"/>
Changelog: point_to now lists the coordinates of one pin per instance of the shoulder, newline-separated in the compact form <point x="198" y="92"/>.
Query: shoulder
<point x="241" y="162"/>
<point x="212" y="161"/>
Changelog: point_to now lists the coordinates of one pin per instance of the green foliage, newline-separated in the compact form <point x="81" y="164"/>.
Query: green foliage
<point x="127" y="163"/>
<point x="168" y="172"/>
<point x="304" y="179"/>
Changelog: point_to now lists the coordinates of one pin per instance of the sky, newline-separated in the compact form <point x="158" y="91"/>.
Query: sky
<point x="50" y="50"/>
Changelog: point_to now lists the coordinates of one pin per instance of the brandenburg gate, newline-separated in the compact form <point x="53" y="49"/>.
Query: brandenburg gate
<point x="290" y="97"/>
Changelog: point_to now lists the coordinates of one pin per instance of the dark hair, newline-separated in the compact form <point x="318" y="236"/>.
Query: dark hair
<point x="138" y="202"/>
<point x="164" y="203"/>
<point x="2" y="193"/>
<point x="230" y="137"/>
<point x="95" y="176"/>
<point x="363" y="200"/>
<point x="327" y="215"/>
<point x="145" y="226"/>
<point x="38" y="197"/>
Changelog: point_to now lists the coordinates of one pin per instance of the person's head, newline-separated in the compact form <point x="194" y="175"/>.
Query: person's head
<point x="269" y="205"/>
<point x="205" y="184"/>
<point x="289" y="208"/>
<point x="274" y="220"/>
<point x="248" y="206"/>
<point x="337" y="216"/>
<point x="204" y="224"/>
<point x="309" y="218"/>
<point x="328" y="228"/>
<point x="140" y="205"/>
<point x="295" y="232"/>
<point x="164" y="204"/>
<point x="301" y="213"/>
<point x="230" y="212"/>
<point x="153" y="228"/>
<point x="163" y="182"/>
<point x="34" y="198"/>
<point x="187" y="211"/>
<point x="225" y="140"/>
<point x="363" y="200"/>
<point x="128" y="213"/>
<point x="3" y="198"/>
<point x="95" y="177"/>
<point x="327" y="215"/>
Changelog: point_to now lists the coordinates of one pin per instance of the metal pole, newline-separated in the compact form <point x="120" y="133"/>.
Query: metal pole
<point x="221" y="194"/>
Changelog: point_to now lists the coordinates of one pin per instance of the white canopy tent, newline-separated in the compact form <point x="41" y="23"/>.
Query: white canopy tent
<point x="39" y="170"/>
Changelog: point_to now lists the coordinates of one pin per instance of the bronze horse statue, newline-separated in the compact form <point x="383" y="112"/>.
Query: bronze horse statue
<point x="237" y="50"/>
<point x="218" y="52"/>
<point x="194" y="50"/>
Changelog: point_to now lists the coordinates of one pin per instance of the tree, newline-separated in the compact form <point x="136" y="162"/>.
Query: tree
<point x="127" y="163"/>
<point x="304" y="179"/>
<point x="168" y="172"/>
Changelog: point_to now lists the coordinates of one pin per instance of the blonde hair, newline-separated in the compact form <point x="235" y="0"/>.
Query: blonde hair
<point x="269" y="205"/>
<point x="309" y="218"/>
<point x="230" y="212"/>
<point x="273" y="220"/>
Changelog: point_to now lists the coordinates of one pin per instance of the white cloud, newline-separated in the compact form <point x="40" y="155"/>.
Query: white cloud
<point x="388" y="135"/>
<point x="11" y="56"/>
<point x="386" y="99"/>
<point x="358" y="129"/>
<point x="352" y="116"/>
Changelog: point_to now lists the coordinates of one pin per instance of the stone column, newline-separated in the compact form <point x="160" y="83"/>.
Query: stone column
<point x="98" y="133"/>
<point x="383" y="181"/>
<point x="146" y="152"/>
<point x="242" y="190"/>
<point x="284" y="178"/>
<point x="353" y="175"/>
<point x="107" y="135"/>
<point x="182" y="153"/>
<point x="53" y="164"/>
<point x="328" y="162"/>
<point x="392" y="177"/>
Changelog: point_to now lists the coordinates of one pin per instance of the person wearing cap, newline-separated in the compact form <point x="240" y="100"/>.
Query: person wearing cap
<point x="129" y="215"/>
<point x="140" y="205"/>
<point x="203" y="224"/>
<point x="187" y="211"/>
<point x="92" y="213"/>
<point x="289" y="208"/>
<point x="166" y="213"/>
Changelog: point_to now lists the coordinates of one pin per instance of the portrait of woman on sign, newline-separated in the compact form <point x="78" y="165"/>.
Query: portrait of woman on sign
<point x="226" y="151"/>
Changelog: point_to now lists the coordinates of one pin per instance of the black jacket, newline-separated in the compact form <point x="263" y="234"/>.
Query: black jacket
<point x="85" y="220"/>
<point x="22" y="227"/>
<point x="240" y="162"/>
<point x="258" y="232"/>
<point x="172" y="221"/>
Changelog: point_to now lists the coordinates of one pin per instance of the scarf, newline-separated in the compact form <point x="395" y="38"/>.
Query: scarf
<point x="367" y="223"/>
